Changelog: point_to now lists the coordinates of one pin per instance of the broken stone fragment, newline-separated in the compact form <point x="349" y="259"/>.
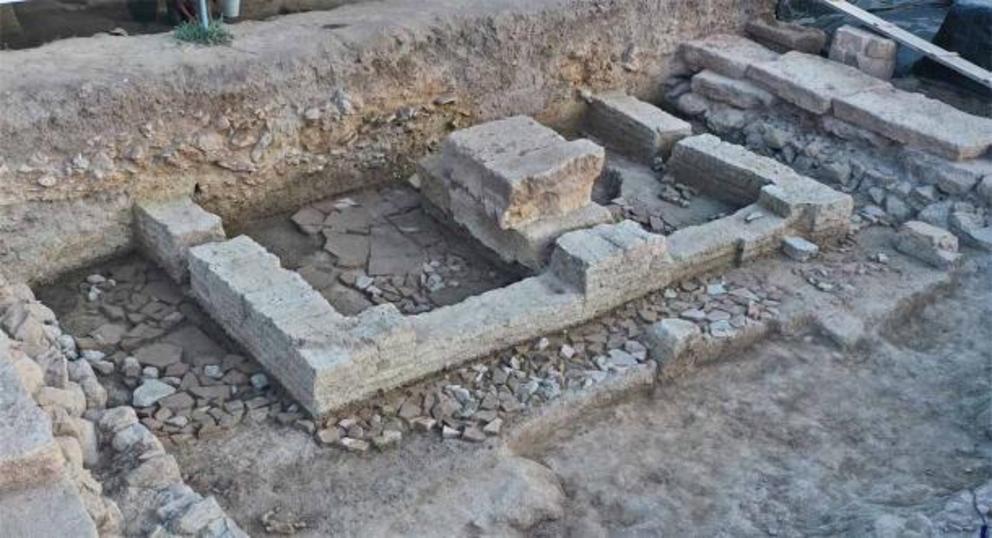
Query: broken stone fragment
<point x="670" y="338"/>
<point x="930" y="244"/>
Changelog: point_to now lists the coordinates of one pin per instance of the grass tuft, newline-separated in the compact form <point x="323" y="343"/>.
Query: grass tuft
<point x="214" y="34"/>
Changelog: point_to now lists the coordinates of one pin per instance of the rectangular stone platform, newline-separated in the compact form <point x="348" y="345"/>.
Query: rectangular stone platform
<point x="811" y="82"/>
<point x="519" y="171"/>
<point x="637" y="129"/>
<point x="729" y="55"/>
<point x="916" y="120"/>
<point x="166" y="230"/>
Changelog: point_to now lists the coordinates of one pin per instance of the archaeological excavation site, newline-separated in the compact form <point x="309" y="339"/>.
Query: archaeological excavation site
<point x="489" y="268"/>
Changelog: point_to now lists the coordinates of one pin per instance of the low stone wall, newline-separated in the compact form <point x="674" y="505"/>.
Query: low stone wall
<point x="327" y="361"/>
<point x="92" y="125"/>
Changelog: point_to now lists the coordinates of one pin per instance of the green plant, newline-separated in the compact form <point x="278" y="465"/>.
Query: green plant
<point x="214" y="34"/>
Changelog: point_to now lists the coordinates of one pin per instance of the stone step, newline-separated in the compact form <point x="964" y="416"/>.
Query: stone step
<point x="29" y="454"/>
<point x="637" y="129"/>
<point x="48" y="510"/>
<point x="916" y="120"/>
<point x="811" y="82"/>
<point x="520" y="171"/>
<point x="727" y="54"/>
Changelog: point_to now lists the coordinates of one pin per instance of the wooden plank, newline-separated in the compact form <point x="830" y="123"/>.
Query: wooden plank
<point x="949" y="59"/>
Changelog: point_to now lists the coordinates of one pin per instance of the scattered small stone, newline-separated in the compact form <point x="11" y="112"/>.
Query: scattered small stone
<point x="388" y="439"/>
<point x="493" y="427"/>
<point x="474" y="434"/>
<point x="449" y="432"/>
<point x="799" y="249"/>
<point x="151" y="391"/>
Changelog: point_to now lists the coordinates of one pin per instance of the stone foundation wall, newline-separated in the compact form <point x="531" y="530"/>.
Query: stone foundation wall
<point x="299" y="107"/>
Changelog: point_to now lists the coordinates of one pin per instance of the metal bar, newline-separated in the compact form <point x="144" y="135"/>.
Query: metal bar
<point x="951" y="60"/>
<point x="204" y="16"/>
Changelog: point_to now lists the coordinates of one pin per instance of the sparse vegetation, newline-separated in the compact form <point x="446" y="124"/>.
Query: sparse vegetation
<point x="214" y="34"/>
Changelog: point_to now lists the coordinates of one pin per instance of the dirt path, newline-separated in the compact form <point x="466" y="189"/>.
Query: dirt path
<point x="793" y="439"/>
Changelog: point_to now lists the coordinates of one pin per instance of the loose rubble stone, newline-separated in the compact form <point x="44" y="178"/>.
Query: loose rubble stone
<point x="151" y="391"/>
<point x="670" y="338"/>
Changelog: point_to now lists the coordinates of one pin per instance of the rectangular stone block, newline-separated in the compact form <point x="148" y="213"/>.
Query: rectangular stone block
<point x="918" y="121"/>
<point x="727" y="54"/>
<point x="735" y="92"/>
<point x="726" y="171"/>
<point x="812" y="207"/>
<point x="609" y="259"/>
<point x="786" y="36"/>
<point x="637" y="129"/>
<point x="29" y="454"/>
<point x="927" y="243"/>
<point x="811" y="82"/>
<point x="870" y="53"/>
<point x="166" y="231"/>
<point x="520" y="171"/>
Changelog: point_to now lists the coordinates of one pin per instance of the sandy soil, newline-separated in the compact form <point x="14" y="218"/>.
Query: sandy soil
<point x="791" y="439"/>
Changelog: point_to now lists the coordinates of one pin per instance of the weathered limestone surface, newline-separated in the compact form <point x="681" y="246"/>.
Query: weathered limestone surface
<point x="48" y="510"/>
<point x="786" y="36"/>
<point x="930" y="244"/>
<point x="258" y="134"/>
<point x="167" y="230"/>
<point x="635" y="128"/>
<point x="916" y="120"/>
<point x="729" y="55"/>
<point x="736" y="92"/>
<point x="520" y="171"/>
<point x="529" y="244"/>
<point x="865" y="50"/>
<point x="671" y="337"/>
<point x="738" y="176"/>
<point x="811" y="82"/>
<point x="29" y="454"/>
<point x="617" y="259"/>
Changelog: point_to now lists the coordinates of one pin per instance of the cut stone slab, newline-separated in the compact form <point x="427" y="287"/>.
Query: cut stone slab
<point x="799" y="249"/>
<point x="393" y="253"/>
<point x="811" y="82"/>
<point x="735" y="92"/>
<point x="351" y="250"/>
<point x="869" y="52"/>
<point x="916" y="120"/>
<point x="166" y="231"/>
<point x="671" y="337"/>
<point x="29" y="454"/>
<point x="159" y="355"/>
<point x="637" y="129"/>
<point x="520" y="171"/>
<point x="786" y="36"/>
<point x="930" y="244"/>
<point x="727" y="54"/>
<point x="150" y="392"/>
<point x="49" y="510"/>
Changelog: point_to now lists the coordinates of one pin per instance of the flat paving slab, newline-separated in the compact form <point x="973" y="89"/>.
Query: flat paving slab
<point x="727" y="54"/>
<point x="811" y="82"/>
<point x="916" y="120"/>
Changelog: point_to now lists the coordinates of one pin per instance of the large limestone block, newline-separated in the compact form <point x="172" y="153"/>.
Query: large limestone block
<point x="811" y="82"/>
<point x="726" y="171"/>
<point x="608" y="259"/>
<point x="28" y="453"/>
<point x="815" y="208"/>
<point x="735" y="92"/>
<point x="786" y="36"/>
<point x="638" y="129"/>
<point x="167" y="230"/>
<point x="871" y="53"/>
<point x="727" y="54"/>
<point x="47" y="510"/>
<point x="520" y="171"/>
<point x="916" y="120"/>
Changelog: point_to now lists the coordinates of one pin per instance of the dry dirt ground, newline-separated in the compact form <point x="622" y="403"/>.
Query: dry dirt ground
<point x="793" y="438"/>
